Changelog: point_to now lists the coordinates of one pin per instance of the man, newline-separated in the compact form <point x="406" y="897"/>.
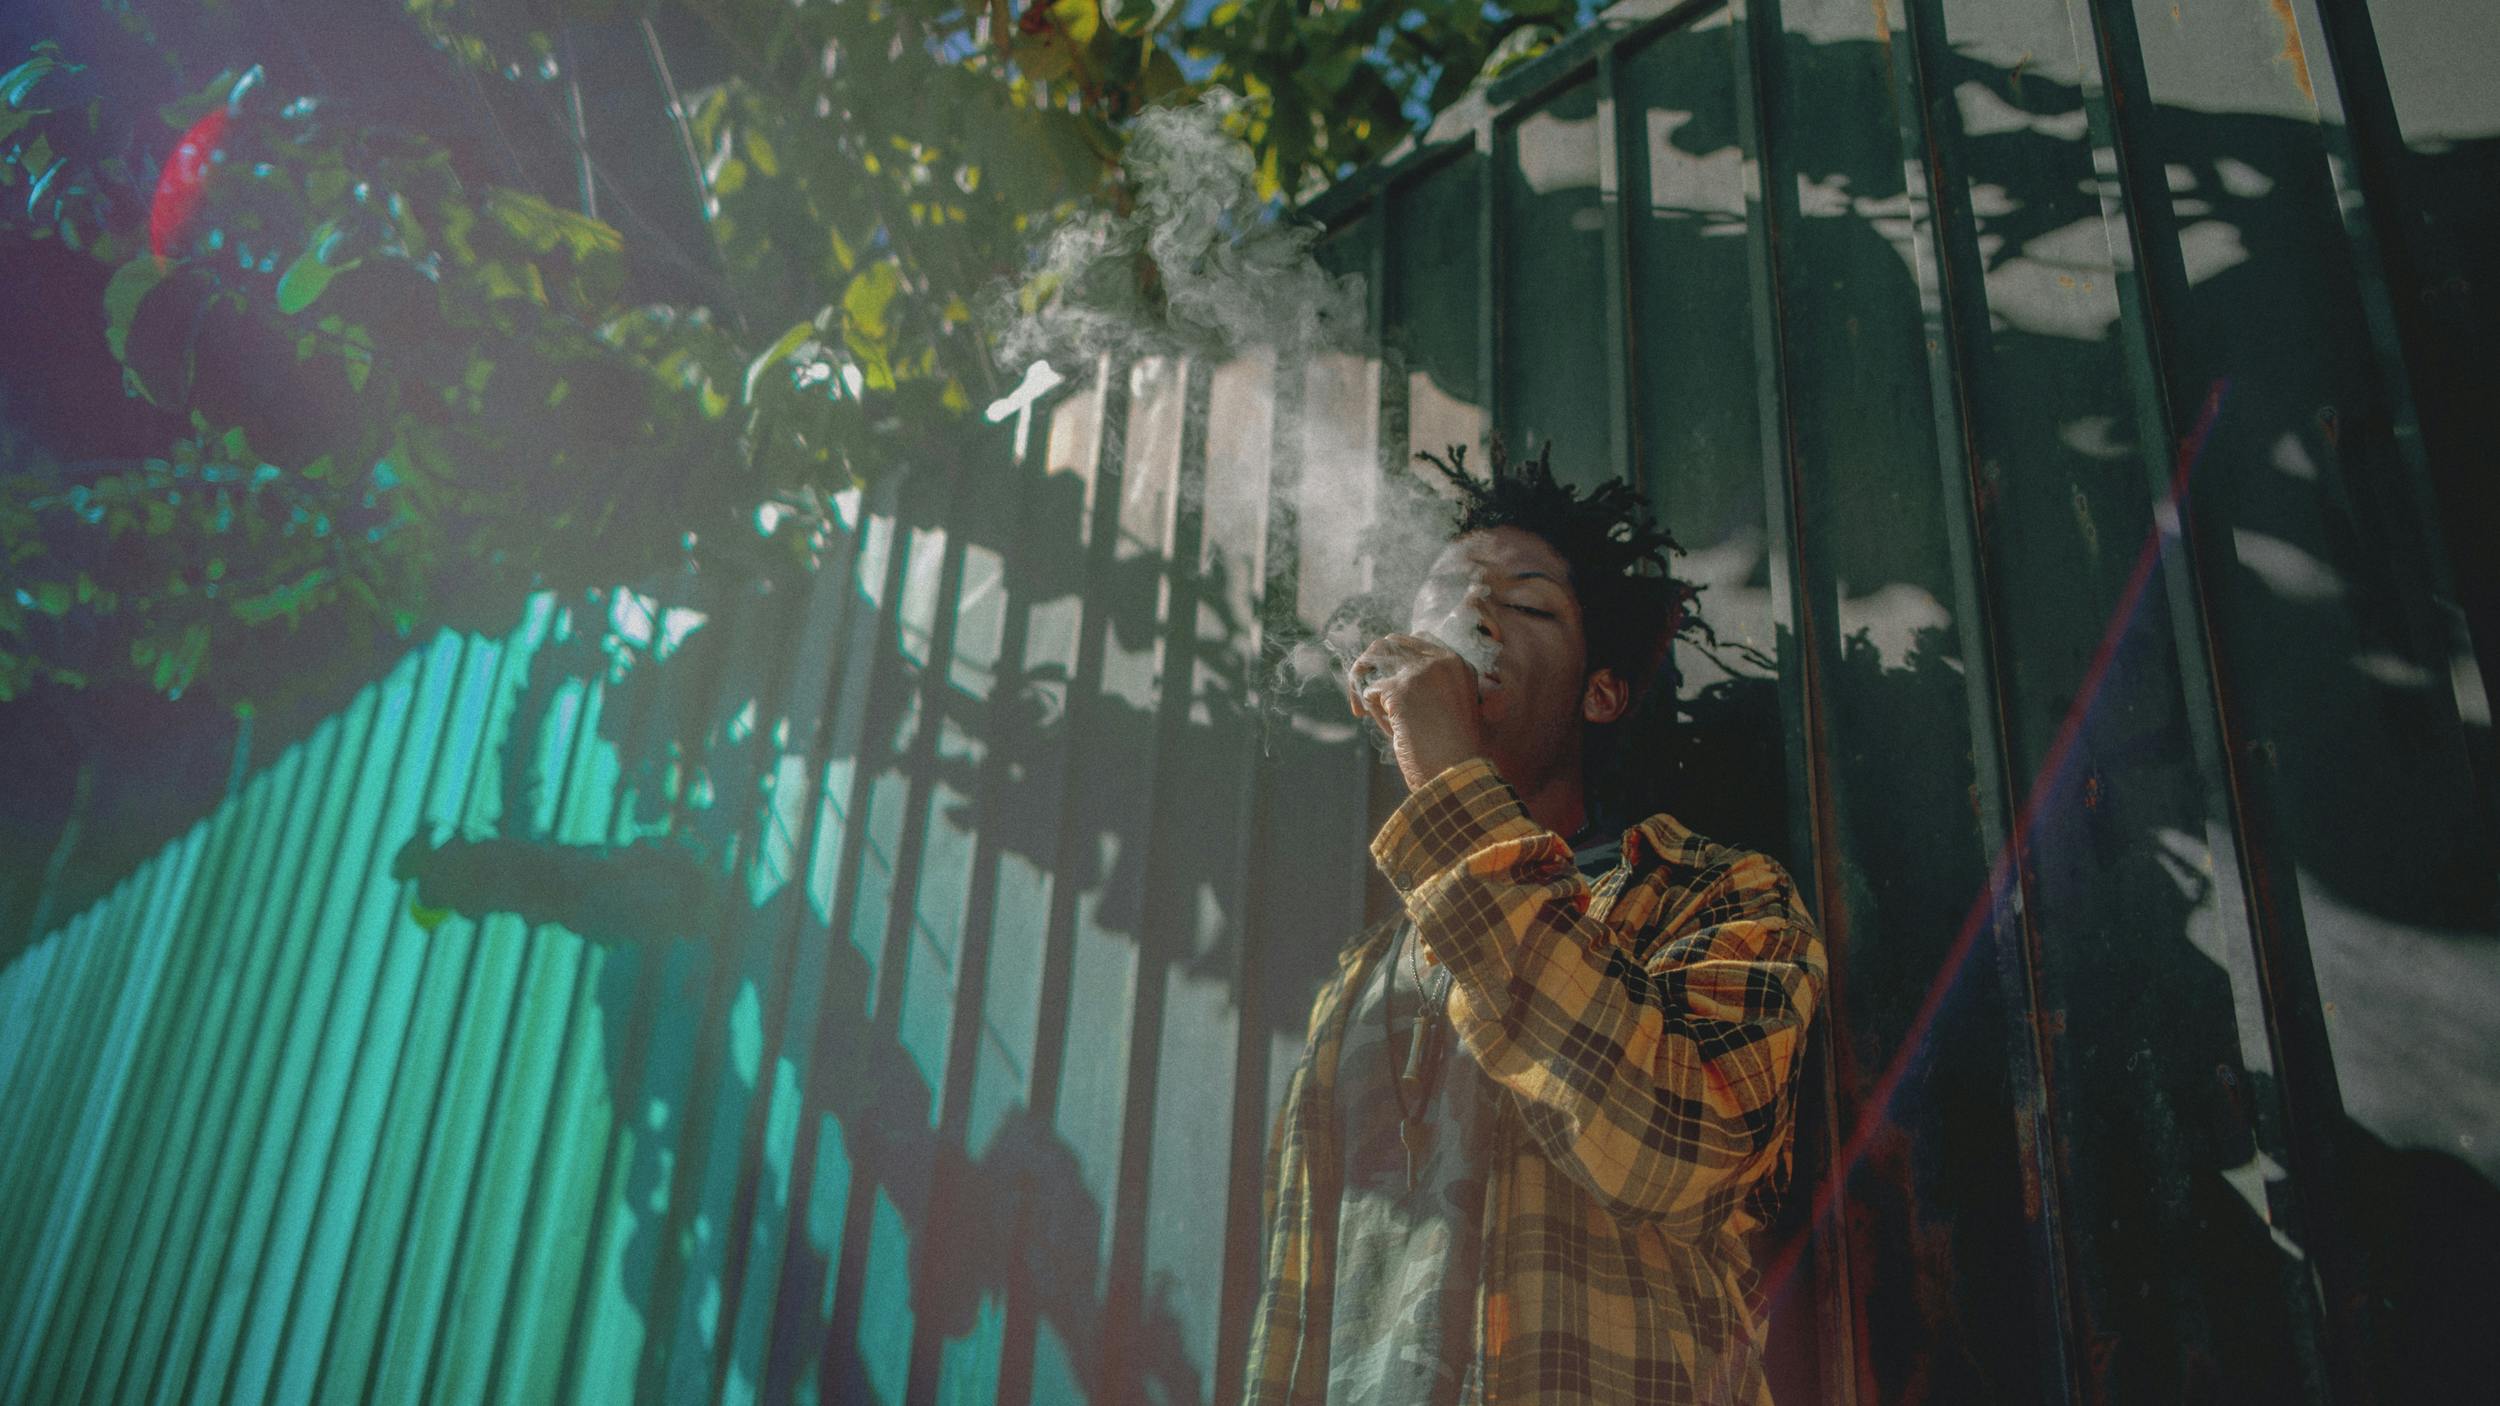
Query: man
<point x="1538" y="1117"/>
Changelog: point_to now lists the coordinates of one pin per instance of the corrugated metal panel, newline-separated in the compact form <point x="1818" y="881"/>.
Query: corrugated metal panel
<point x="870" y="977"/>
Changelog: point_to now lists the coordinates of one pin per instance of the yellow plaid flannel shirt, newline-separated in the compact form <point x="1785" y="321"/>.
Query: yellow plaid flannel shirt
<point x="1649" y="1033"/>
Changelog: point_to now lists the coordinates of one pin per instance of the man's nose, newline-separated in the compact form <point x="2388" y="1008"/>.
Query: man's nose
<point x="1488" y="619"/>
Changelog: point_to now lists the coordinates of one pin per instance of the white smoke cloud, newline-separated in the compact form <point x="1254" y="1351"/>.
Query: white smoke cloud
<point x="1199" y="267"/>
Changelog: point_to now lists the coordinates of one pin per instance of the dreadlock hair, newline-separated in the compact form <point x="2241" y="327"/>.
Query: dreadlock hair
<point x="1631" y="607"/>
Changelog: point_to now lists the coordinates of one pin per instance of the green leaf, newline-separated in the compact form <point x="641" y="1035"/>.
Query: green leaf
<point x="308" y="275"/>
<point x="1063" y="32"/>
<point x="870" y="293"/>
<point x="20" y="81"/>
<point x="327" y="185"/>
<point x="1135" y="17"/>
<point x="289" y="599"/>
<point x="775" y="354"/>
<point x="1162" y="76"/>
<point x="122" y="295"/>
<point x="760" y="152"/>
<point x="426" y="918"/>
<point x="182" y="112"/>
<point x="546" y="228"/>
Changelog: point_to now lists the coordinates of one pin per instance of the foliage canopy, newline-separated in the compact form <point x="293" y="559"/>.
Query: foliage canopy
<point x="404" y="375"/>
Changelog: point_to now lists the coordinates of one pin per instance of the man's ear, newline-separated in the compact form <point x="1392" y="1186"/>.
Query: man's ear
<point x="1605" y="697"/>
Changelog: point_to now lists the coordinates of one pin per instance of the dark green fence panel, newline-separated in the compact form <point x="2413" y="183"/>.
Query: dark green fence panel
<point x="2057" y="377"/>
<point x="870" y="973"/>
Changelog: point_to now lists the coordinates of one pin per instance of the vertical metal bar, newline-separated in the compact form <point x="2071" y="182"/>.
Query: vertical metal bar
<point x="1385" y="297"/>
<point x="756" y="1243"/>
<point x="1616" y="291"/>
<point x="2357" y="122"/>
<point x="1124" y="1280"/>
<point x="840" y="983"/>
<point x="1494" y="147"/>
<point x="838" y="1345"/>
<point x="934" y="496"/>
<point x="1798" y="590"/>
<point x="2332" y="1319"/>
<point x="1280" y="570"/>
<point x="1955" y="308"/>
<point x="1058" y="960"/>
<point x="796" y="979"/>
<point x="997" y="516"/>
<point x="1389" y="416"/>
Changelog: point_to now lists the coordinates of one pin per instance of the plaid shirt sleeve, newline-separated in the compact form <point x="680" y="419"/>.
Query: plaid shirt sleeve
<point x="1652" y="1058"/>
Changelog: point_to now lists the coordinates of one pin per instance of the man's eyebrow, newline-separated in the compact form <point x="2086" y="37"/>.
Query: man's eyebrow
<point x="1453" y="576"/>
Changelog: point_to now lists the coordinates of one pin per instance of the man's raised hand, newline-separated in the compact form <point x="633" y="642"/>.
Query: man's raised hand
<point x="1425" y="697"/>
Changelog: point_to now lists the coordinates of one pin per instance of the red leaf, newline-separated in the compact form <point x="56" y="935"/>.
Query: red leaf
<point x="180" y="186"/>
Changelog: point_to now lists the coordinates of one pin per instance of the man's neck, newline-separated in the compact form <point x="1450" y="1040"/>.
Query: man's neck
<point x="1560" y="804"/>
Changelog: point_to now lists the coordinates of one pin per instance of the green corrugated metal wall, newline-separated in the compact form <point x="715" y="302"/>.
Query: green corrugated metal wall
<point x="868" y="976"/>
<point x="805" y="982"/>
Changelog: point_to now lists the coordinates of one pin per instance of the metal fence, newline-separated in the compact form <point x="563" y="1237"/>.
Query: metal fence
<point x="868" y="975"/>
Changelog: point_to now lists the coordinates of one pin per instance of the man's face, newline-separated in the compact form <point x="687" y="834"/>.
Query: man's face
<point x="1537" y="694"/>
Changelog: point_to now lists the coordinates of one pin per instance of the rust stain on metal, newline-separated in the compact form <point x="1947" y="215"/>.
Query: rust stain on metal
<point x="1883" y="22"/>
<point x="2292" y="52"/>
<point x="2100" y="1354"/>
<point x="2024" y="1127"/>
